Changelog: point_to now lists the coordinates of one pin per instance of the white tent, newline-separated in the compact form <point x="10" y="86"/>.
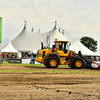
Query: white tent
<point x="30" y="41"/>
<point x="53" y="35"/>
<point x="9" y="49"/>
<point x="25" y="40"/>
<point x="78" y="46"/>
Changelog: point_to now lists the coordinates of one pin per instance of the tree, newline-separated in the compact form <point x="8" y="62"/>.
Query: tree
<point x="89" y="42"/>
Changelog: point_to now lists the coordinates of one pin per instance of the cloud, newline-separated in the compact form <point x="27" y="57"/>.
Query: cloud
<point x="76" y="17"/>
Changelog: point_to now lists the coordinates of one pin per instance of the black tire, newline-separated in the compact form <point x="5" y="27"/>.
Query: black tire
<point x="88" y="65"/>
<point x="45" y="64"/>
<point x="52" y="62"/>
<point x="77" y="63"/>
<point x="70" y="66"/>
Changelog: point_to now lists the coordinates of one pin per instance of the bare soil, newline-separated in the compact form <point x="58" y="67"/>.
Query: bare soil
<point x="48" y="86"/>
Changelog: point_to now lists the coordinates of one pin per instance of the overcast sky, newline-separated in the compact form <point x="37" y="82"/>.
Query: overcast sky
<point x="77" y="17"/>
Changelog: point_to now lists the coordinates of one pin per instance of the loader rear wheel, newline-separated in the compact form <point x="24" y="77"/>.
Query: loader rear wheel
<point x="52" y="62"/>
<point x="45" y="64"/>
<point x="70" y="66"/>
<point x="78" y="63"/>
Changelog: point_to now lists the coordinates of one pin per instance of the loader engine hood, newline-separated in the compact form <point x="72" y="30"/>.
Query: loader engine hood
<point x="41" y="55"/>
<point x="43" y="52"/>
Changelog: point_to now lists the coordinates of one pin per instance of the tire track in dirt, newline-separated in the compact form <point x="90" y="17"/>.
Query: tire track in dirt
<point x="48" y="86"/>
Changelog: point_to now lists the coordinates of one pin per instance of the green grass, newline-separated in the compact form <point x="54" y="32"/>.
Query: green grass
<point x="41" y="65"/>
<point x="73" y="72"/>
<point x="18" y="64"/>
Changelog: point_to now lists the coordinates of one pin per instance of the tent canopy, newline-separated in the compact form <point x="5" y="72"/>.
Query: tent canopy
<point x="78" y="46"/>
<point x="9" y="49"/>
<point x="29" y="40"/>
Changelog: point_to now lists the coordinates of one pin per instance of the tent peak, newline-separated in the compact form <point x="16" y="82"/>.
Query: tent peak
<point x="59" y="30"/>
<point x="32" y="29"/>
<point x="9" y="48"/>
<point x="25" y="25"/>
<point x="63" y="32"/>
<point x="55" y="27"/>
<point x="38" y="30"/>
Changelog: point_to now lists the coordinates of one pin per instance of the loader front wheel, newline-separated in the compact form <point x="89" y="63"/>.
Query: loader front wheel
<point x="52" y="62"/>
<point x="78" y="63"/>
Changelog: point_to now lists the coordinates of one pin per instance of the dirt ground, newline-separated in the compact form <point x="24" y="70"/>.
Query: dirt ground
<point x="48" y="86"/>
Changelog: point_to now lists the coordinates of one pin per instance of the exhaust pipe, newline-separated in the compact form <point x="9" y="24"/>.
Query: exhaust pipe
<point x="41" y="45"/>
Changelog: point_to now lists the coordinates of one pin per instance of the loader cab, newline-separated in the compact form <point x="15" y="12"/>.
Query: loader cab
<point x="62" y="45"/>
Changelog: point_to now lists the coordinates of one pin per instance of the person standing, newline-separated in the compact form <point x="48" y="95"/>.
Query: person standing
<point x="31" y="56"/>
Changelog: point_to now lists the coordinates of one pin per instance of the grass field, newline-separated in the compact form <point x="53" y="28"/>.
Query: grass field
<point x="41" y="65"/>
<point x="74" y="72"/>
<point x="18" y="64"/>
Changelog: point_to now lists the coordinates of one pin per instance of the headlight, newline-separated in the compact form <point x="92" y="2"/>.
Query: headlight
<point x="39" y="55"/>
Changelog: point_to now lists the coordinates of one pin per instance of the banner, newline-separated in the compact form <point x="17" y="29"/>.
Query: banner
<point x="26" y="61"/>
<point x="0" y="28"/>
<point x="15" y="61"/>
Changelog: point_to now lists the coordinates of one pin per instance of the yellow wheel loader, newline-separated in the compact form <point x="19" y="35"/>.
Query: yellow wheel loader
<point x="60" y="54"/>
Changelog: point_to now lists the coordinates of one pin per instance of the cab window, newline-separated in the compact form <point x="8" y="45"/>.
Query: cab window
<point x="63" y="46"/>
